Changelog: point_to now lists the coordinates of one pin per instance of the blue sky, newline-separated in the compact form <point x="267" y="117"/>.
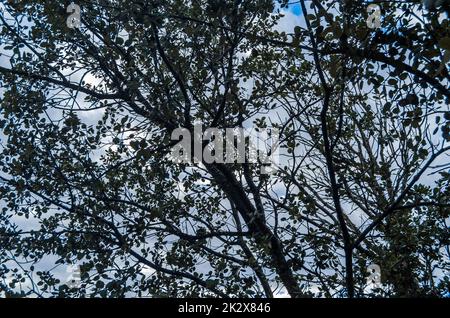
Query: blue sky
<point x="295" y="8"/>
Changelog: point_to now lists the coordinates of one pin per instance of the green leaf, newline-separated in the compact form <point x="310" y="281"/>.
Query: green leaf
<point x="445" y="43"/>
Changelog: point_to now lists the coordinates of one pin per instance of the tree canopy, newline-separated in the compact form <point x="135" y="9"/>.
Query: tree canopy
<point x="86" y="116"/>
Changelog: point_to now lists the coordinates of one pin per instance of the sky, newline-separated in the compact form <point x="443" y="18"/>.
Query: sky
<point x="295" y="8"/>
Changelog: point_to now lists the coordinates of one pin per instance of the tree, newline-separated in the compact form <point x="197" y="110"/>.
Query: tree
<point x="364" y="123"/>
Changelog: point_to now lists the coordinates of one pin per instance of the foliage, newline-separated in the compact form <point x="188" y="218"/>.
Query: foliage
<point x="86" y="117"/>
